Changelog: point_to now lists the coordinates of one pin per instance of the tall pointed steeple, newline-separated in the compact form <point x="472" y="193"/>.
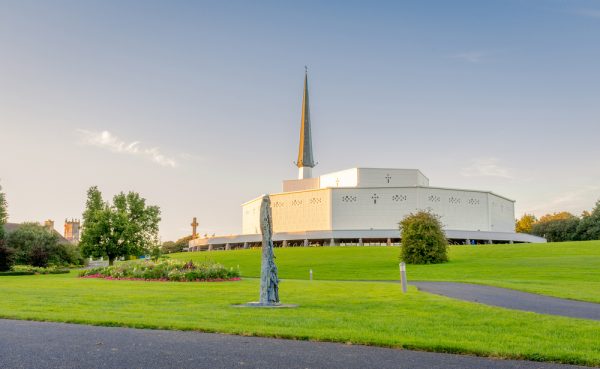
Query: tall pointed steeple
<point x="305" y="161"/>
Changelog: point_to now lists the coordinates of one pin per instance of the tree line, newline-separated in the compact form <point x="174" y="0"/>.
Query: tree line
<point x="126" y="227"/>
<point x="563" y="226"/>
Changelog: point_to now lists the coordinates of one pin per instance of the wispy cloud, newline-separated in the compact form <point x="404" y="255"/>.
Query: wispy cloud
<point x="582" y="197"/>
<point x="108" y="141"/>
<point x="590" y="13"/>
<point x="470" y="56"/>
<point x="487" y="167"/>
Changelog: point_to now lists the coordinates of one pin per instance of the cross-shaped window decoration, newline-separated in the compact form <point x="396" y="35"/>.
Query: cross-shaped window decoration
<point x="374" y="197"/>
<point x="337" y="182"/>
<point x="388" y="177"/>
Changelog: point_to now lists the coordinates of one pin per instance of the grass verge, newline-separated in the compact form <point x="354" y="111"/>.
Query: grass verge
<point x="568" y="269"/>
<point x="362" y="313"/>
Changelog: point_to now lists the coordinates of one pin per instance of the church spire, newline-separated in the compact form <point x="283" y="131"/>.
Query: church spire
<point x="305" y="155"/>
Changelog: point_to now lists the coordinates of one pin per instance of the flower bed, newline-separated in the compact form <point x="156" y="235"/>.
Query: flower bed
<point x="164" y="270"/>
<point x="31" y="270"/>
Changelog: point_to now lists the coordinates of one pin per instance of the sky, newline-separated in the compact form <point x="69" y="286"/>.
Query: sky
<point x="196" y="105"/>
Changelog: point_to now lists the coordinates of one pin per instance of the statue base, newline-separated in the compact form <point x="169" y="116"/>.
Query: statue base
<point x="261" y="305"/>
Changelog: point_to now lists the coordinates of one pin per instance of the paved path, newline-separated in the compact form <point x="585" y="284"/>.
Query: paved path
<point x="512" y="299"/>
<point x="38" y="345"/>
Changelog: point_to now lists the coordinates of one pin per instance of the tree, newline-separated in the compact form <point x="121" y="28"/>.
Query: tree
<point x="557" y="227"/>
<point x="7" y="257"/>
<point x="127" y="227"/>
<point x="589" y="226"/>
<point x="169" y="247"/>
<point x="38" y="246"/>
<point x="3" y="214"/>
<point x="423" y="241"/>
<point x="563" y="215"/>
<point x="6" y="253"/>
<point x="525" y="223"/>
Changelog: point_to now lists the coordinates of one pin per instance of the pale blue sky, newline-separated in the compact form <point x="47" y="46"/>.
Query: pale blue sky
<point x="496" y="95"/>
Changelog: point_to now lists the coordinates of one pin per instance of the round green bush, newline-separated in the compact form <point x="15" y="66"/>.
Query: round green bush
<point x="423" y="241"/>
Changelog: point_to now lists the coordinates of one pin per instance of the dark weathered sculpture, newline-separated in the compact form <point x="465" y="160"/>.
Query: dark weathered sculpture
<point x="269" y="282"/>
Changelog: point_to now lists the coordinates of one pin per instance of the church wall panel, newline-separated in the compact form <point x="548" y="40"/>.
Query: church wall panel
<point x="383" y="208"/>
<point x="301" y="211"/>
<point x="502" y="214"/>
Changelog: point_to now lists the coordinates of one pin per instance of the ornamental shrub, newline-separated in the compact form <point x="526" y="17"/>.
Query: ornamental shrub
<point x="36" y="245"/>
<point x="423" y="241"/>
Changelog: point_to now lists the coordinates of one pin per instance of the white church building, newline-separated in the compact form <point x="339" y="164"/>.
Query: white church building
<point x="363" y="206"/>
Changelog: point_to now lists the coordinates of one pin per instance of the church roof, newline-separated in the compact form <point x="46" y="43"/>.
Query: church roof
<point x="11" y="227"/>
<point x="305" y="152"/>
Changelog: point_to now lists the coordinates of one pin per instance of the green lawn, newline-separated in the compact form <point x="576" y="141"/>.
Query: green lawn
<point x="567" y="269"/>
<point x="358" y="312"/>
<point x="346" y="303"/>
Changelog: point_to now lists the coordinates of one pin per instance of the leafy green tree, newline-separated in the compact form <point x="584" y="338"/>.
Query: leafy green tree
<point x="423" y="240"/>
<point x="589" y="226"/>
<point x="3" y="214"/>
<point x="7" y="257"/>
<point x="38" y="246"/>
<point x="6" y="253"/>
<point x="155" y="252"/>
<point x="557" y="227"/>
<point x="127" y="227"/>
<point x="169" y="247"/>
<point x="525" y="223"/>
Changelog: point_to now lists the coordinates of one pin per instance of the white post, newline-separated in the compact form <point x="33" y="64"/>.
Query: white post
<point x="403" y="277"/>
<point x="310" y="273"/>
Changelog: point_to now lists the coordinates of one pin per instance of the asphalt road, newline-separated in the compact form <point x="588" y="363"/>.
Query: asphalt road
<point x="512" y="299"/>
<point x="39" y="345"/>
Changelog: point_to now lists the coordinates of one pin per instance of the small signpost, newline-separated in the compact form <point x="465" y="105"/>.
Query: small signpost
<point x="403" y="277"/>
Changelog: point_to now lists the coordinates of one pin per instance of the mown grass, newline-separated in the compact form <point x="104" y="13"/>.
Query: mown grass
<point x="358" y="312"/>
<point x="567" y="269"/>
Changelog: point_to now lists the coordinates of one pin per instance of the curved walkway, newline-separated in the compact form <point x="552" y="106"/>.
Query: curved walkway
<point x="512" y="299"/>
<point x="39" y="345"/>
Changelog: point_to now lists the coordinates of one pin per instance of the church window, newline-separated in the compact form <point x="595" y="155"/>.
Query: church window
<point x="375" y="197"/>
<point x="388" y="177"/>
<point x="473" y="201"/>
<point x="433" y="198"/>
<point x="454" y="200"/>
<point x="349" y="198"/>
<point x="399" y="198"/>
